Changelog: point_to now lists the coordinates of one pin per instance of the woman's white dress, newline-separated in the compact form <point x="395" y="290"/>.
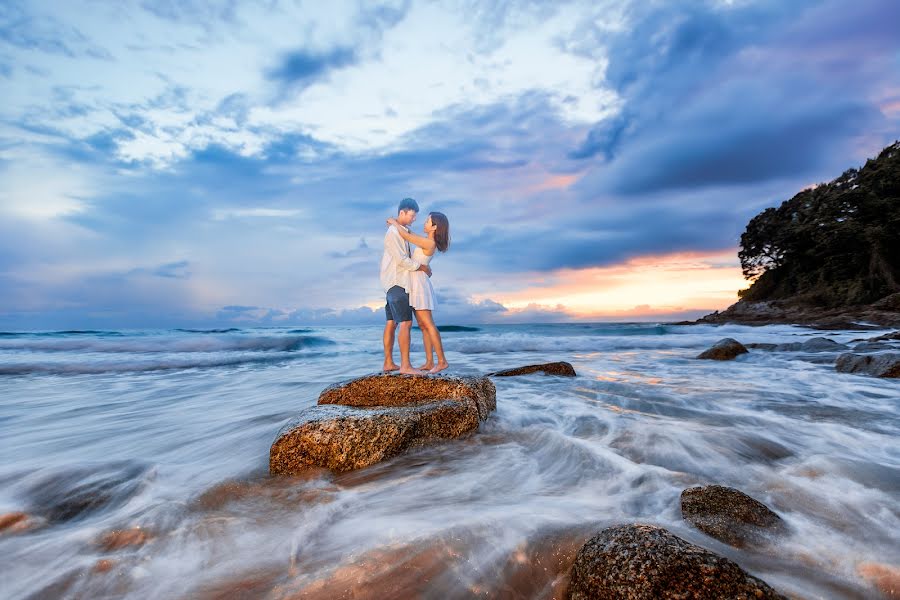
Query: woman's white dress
<point x="421" y="294"/>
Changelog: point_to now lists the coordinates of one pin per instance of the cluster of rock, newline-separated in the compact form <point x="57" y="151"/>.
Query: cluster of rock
<point x="366" y="420"/>
<point x="884" y="313"/>
<point x="878" y="356"/>
<point x="638" y="561"/>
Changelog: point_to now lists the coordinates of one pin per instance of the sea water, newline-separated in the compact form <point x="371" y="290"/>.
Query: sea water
<point x="169" y="431"/>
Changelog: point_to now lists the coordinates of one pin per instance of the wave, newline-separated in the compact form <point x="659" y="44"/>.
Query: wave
<point x="67" y="332"/>
<point x="146" y="366"/>
<point x="229" y="330"/>
<point x="289" y="343"/>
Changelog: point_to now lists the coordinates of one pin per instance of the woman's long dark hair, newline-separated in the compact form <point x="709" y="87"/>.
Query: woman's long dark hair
<point x="442" y="233"/>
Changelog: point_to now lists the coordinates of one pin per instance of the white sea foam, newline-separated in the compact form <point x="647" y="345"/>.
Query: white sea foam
<point x="184" y="455"/>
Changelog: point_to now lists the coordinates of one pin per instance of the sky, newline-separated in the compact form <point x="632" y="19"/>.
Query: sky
<point x="185" y="163"/>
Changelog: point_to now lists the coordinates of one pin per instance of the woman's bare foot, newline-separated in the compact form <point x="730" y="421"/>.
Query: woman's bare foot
<point x="411" y="371"/>
<point x="389" y="366"/>
<point x="427" y="366"/>
<point x="439" y="367"/>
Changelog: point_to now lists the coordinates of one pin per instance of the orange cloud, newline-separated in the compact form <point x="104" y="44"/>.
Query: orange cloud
<point x="553" y="182"/>
<point x="641" y="287"/>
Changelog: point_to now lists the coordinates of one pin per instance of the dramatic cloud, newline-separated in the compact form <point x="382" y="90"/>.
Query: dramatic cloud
<point x="197" y="163"/>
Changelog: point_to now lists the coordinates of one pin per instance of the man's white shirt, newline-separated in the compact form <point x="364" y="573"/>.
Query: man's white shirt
<point x="396" y="265"/>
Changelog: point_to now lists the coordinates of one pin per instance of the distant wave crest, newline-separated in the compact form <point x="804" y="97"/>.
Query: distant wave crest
<point x="285" y="343"/>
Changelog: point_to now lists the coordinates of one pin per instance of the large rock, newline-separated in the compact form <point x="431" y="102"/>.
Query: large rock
<point x="886" y="364"/>
<point x="637" y="562"/>
<point x="729" y="515"/>
<point x="366" y="420"/>
<point x="724" y="349"/>
<point x="562" y="369"/>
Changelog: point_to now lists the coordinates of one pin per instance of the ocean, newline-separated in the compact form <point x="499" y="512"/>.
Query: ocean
<point x="169" y="431"/>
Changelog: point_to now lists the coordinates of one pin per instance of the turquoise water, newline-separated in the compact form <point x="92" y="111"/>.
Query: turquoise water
<point x="170" y="430"/>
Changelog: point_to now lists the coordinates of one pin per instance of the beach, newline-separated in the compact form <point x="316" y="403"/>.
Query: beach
<point x="163" y="436"/>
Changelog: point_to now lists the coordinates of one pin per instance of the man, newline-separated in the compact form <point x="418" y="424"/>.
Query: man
<point x="396" y="265"/>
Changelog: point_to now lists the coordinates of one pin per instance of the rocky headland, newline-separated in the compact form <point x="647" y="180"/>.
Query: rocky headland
<point x="827" y="258"/>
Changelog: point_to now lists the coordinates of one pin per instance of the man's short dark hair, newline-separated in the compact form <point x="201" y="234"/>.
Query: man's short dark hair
<point x="408" y="204"/>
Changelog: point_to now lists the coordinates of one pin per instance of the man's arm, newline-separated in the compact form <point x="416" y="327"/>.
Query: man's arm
<point x="396" y="247"/>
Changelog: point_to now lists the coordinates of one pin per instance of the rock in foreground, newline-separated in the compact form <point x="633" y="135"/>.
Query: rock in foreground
<point x="370" y="419"/>
<point x="878" y="365"/>
<point x="639" y="562"/>
<point x="561" y="369"/>
<point x="729" y="515"/>
<point x="724" y="349"/>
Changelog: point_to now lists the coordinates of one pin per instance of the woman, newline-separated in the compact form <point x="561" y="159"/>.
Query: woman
<point x="421" y="294"/>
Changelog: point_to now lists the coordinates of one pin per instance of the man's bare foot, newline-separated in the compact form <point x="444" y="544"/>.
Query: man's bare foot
<point x="427" y="366"/>
<point x="411" y="371"/>
<point x="388" y="367"/>
<point x="439" y="367"/>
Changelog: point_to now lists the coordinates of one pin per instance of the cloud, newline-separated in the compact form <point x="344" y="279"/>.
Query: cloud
<point x="20" y="29"/>
<point x="216" y="162"/>
<point x="302" y="68"/>
<point x="719" y="95"/>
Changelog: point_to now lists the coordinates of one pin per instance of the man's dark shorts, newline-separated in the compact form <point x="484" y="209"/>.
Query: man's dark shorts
<point x="397" y="308"/>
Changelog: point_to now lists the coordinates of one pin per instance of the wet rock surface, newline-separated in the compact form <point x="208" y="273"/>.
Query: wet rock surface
<point x="821" y="344"/>
<point x="15" y="522"/>
<point x="370" y="419"/>
<point x="724" y="349"/>
<point x="885" y="364"/>
<point x="118" y="539"/>
<point x="867" y="316"/>
<point x="884" y="578"/>
<point x="648" y="562"/>
<point x="729" y="515"/>
<point x="85" y="492"/>
<point x="887" y="337"/>
<point x="817" y="344"/>
<point x="561" y="369"/>
<point x="872" y="347"/>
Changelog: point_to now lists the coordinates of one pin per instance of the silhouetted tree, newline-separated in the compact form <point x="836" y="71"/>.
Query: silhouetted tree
<point x="830" y="245"/>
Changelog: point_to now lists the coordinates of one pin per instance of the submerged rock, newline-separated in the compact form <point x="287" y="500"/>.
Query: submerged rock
<point x="872" y="347"/>
<point x="729" y="515"/>
<point x="562" y="369"/>
<point x="821" y="344"/>
<point x="123" y="538"/>
<point x="886" y="337"/>
<point x="762" y="346"/>
<point x="878" y="365"/>
<point x="367" y="420"/>
<point x="789" y="347"/>
<point x="886" y="578"/>
<point x="81" y="492"/>
<point x="817" y="344"/>
<point x="639" y="562"/>
<point x="15" y="522"/>
<point x="724" y="349"/>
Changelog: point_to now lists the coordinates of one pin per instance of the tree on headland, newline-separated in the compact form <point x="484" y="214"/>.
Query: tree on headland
<point x="835" y="244"/>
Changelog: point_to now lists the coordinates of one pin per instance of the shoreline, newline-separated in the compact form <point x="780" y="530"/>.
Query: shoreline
<point x="880" y="315"/>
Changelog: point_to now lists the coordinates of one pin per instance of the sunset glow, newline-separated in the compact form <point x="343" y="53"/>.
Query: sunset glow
<point x="641" y="287"/>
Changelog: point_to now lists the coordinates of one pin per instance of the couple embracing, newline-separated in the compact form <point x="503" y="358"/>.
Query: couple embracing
<point x="405" y="278"/>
